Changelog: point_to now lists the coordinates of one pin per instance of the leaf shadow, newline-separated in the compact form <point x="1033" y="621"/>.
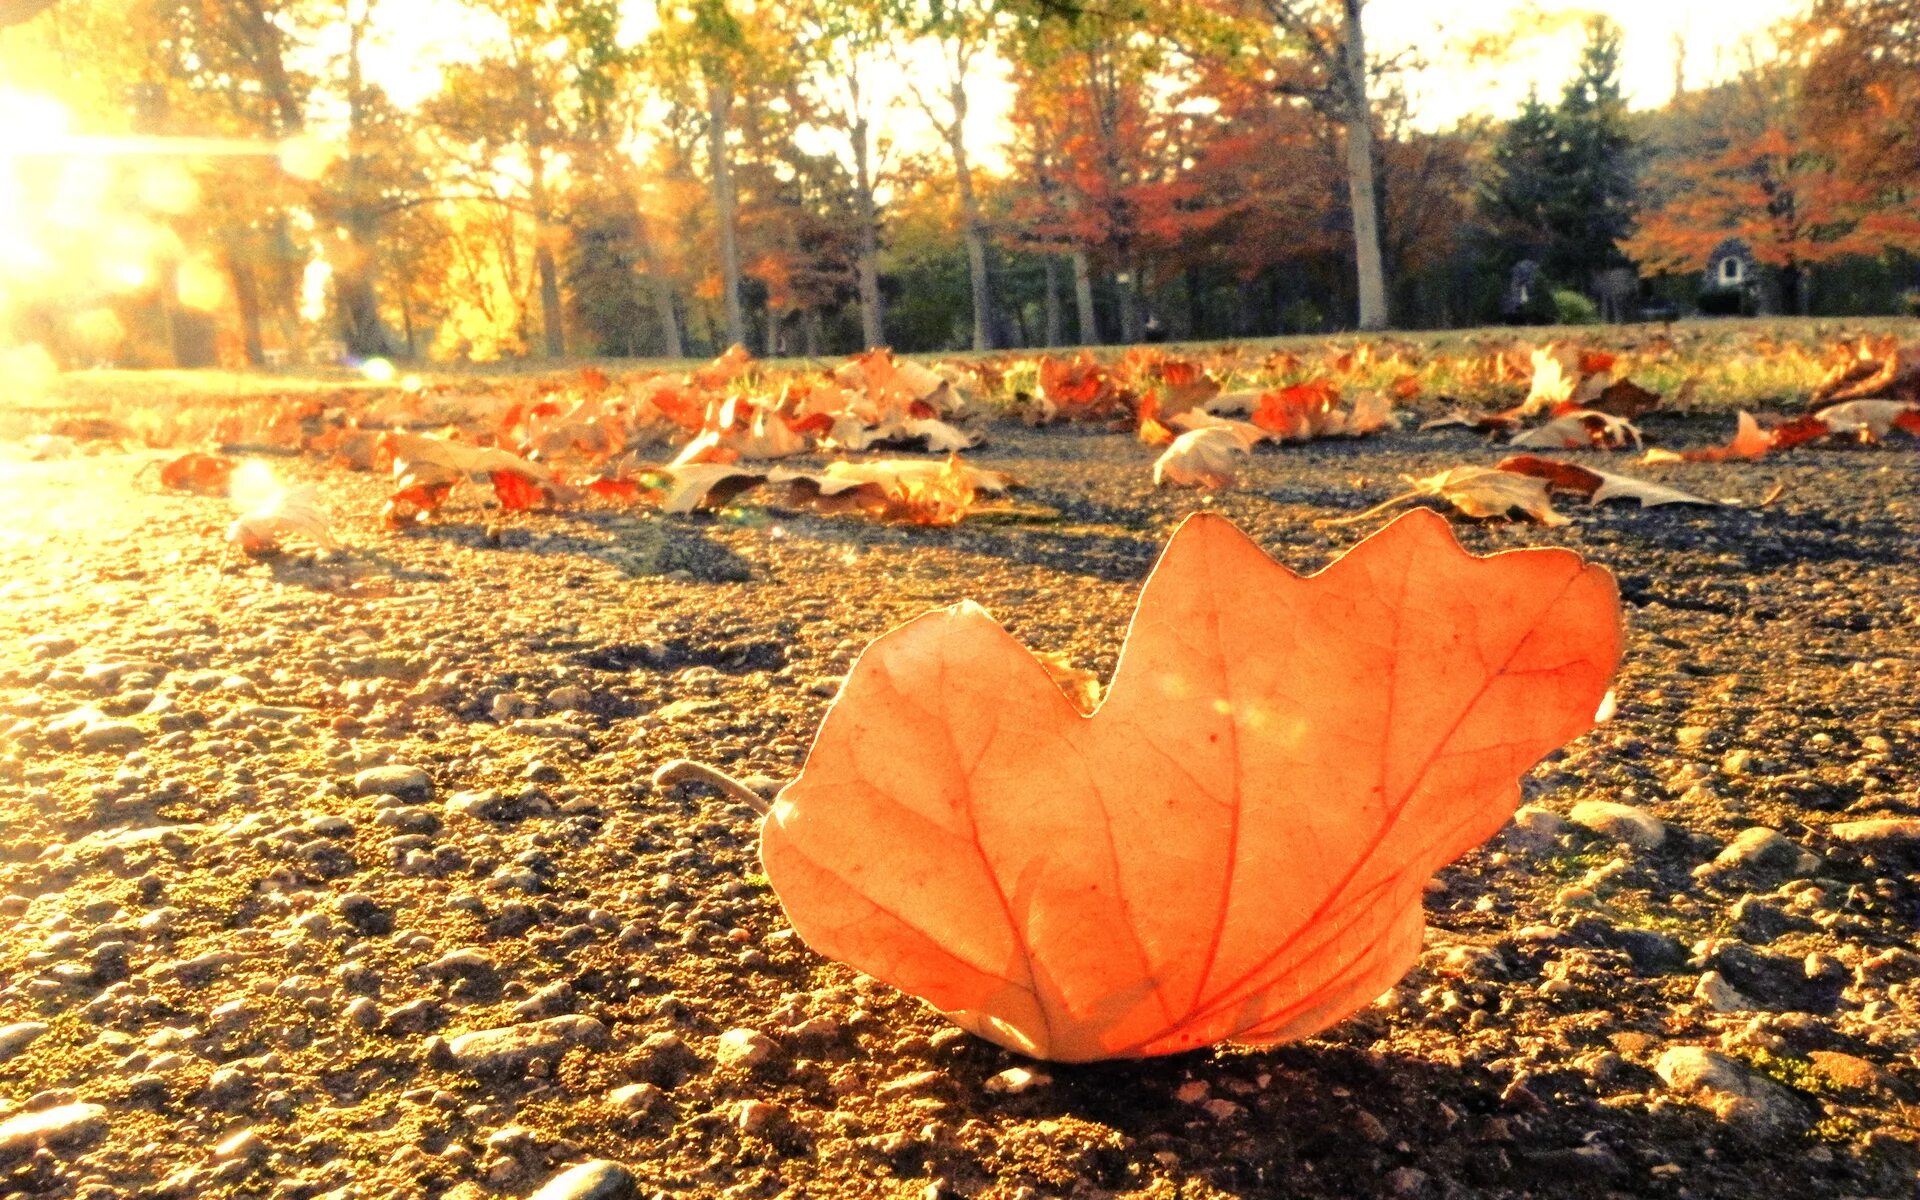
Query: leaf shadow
<point x="642" y="550"/>
<point x="1326" y="1118"/>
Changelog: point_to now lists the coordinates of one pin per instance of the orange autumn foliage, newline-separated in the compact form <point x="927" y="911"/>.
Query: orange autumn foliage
<point x="1234" y="845"/>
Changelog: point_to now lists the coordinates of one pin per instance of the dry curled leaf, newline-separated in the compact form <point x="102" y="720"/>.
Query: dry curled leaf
<point x="205" y="474"/>
<point x="1479" y="492"/>
<point x="1749" y="441"/>
<point x="1208" y="457"/>
<point x="1234" y="845"/>
<point x="1579" y="427"/>
<point x="1598" y="486"/>
<point x="295" y="512"/>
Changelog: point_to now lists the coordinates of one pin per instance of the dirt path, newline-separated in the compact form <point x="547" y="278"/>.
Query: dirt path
<point x="317" y="821"/>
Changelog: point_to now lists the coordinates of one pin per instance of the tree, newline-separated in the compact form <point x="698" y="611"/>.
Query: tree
<point x="1753" y="173"/>
<point x="846" y="43"/>
<point x="1561" y="184"/>
<point x="1331" y="40"/>
<point x="1592" y="207"/>
<point x="962" y="31"/>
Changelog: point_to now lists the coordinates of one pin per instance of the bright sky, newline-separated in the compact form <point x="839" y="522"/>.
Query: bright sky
<point x="1713" y="32"/>
<point x="418" y="36"/>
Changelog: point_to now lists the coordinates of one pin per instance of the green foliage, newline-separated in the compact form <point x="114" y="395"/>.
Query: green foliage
<point x="1573" y="308"/>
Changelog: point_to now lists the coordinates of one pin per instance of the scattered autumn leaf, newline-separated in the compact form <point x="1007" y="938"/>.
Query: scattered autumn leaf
<point x="205" y="474"/>
<point x="1749" y="441"/>
<point x="294" y="512"/>
<point x="1597" y="486"/>
<point x="1234" y="846"/>
<point x="1479" y="492"/>
<point x="1579" y="428"/>
<point x="1208" y="457"/>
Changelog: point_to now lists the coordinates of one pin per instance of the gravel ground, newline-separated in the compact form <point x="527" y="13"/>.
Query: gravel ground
<point x="341" y="876"/>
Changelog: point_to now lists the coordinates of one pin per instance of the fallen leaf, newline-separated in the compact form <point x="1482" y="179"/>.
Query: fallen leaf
<point x="1479" y="492"/>
<point x="1749" y="441"/>
<point x="1598" y="486"/>
<point x="1250" y="435"/>
<point x="1871" y="420"/>
<point x="1625" y="398"/>
<point x="295" y="512"/>
<point x="205" y="474"/>
<point x="1208" y="457"/>
<point x="1579" y="428"/>
<point x="1235" y="845"/>
<point x="1877" y="368"/>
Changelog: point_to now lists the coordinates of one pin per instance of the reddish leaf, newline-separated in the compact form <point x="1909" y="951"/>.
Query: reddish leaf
<point x="516" y="491"/>
<point x="206" y="474"/>
<point x="1234" y="846"/>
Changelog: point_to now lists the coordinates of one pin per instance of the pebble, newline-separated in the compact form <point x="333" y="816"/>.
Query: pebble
<point x="1715" y="992"/>
<point x="1760" y="853"/>
<point x="511" y="1047"/>
<point x="601" y="1179"/>
<point x="1621" y="822"/>
<point x="742" y="1048"/>
<point x="407" y="783"/>
<point x="1879" y="834"/>
<point x="1015" y="1081"/>
<point x="635" y="1097"/>
<point x="62" y="1125"/>
<point x="482" y="805"/>
<point x="16" y="1037"/>
<point x="1734" y="1093"/>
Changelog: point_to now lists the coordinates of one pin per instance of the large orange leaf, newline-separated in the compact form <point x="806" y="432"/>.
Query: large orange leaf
<point x="1233" y="846"/>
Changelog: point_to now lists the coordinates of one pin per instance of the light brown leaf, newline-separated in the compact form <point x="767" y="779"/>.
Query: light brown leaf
<point x="1235" y="845"/>
<point x="1208" y="457"/>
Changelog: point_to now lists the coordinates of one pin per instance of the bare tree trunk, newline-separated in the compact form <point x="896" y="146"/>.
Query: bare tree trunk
<point x="1360" y="184"/>
<point x="1054" y="315"/>
<point x="246" y="296"/>
<point x="725" y="206"/>
<point x="1129" y="299"/>
<point x="872" y="328"/>
<point x="552" y="320"/>
<point x="661" y="289"/>
<point x="972" y="226"/>
<point x="1083" y="298"/>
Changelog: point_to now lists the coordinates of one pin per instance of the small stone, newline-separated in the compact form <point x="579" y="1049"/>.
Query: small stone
<point x="407" y="783"/>
<point x="600" y="1179"/>
<point x="110" y="735"/>
<point x="1015" y="1081"/>
<point x="1847" y="1072"/>
<point x="1621" y="822"/>
<point x="1879" y="835"/>
<point x="363" y="1013"/>
<point x="244" y="1146"/>
<point x="512" y="1047"/>
<point x="1734" y="1093"/>
<point x="484" y="805"/>
<point x="1760" y="854"/>
<point x="1407" y="1181"/>
<point x="59" y="1126"/>
<point x="1715" y="992"/>
<point x="663" y="1058"/>
<point x="742" y="1048"/>
<point x="757" y="1116"/>
<point x="16" y="1037"/>
<point x="1192" y="1092"/>
<point x="569" y="699"/>
<point x="635" y="1097"/>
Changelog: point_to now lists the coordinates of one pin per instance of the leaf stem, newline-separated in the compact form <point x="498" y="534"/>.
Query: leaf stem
<point x="685" y="770"/>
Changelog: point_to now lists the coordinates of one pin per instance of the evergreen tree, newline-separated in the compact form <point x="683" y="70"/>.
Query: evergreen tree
<point x="1595" y="174"/>
<point x="1561" y="185"/>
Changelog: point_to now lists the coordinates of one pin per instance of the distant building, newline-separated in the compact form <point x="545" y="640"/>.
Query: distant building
<point x="1731" y="265"/>
<point x="1732" y="282"/>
